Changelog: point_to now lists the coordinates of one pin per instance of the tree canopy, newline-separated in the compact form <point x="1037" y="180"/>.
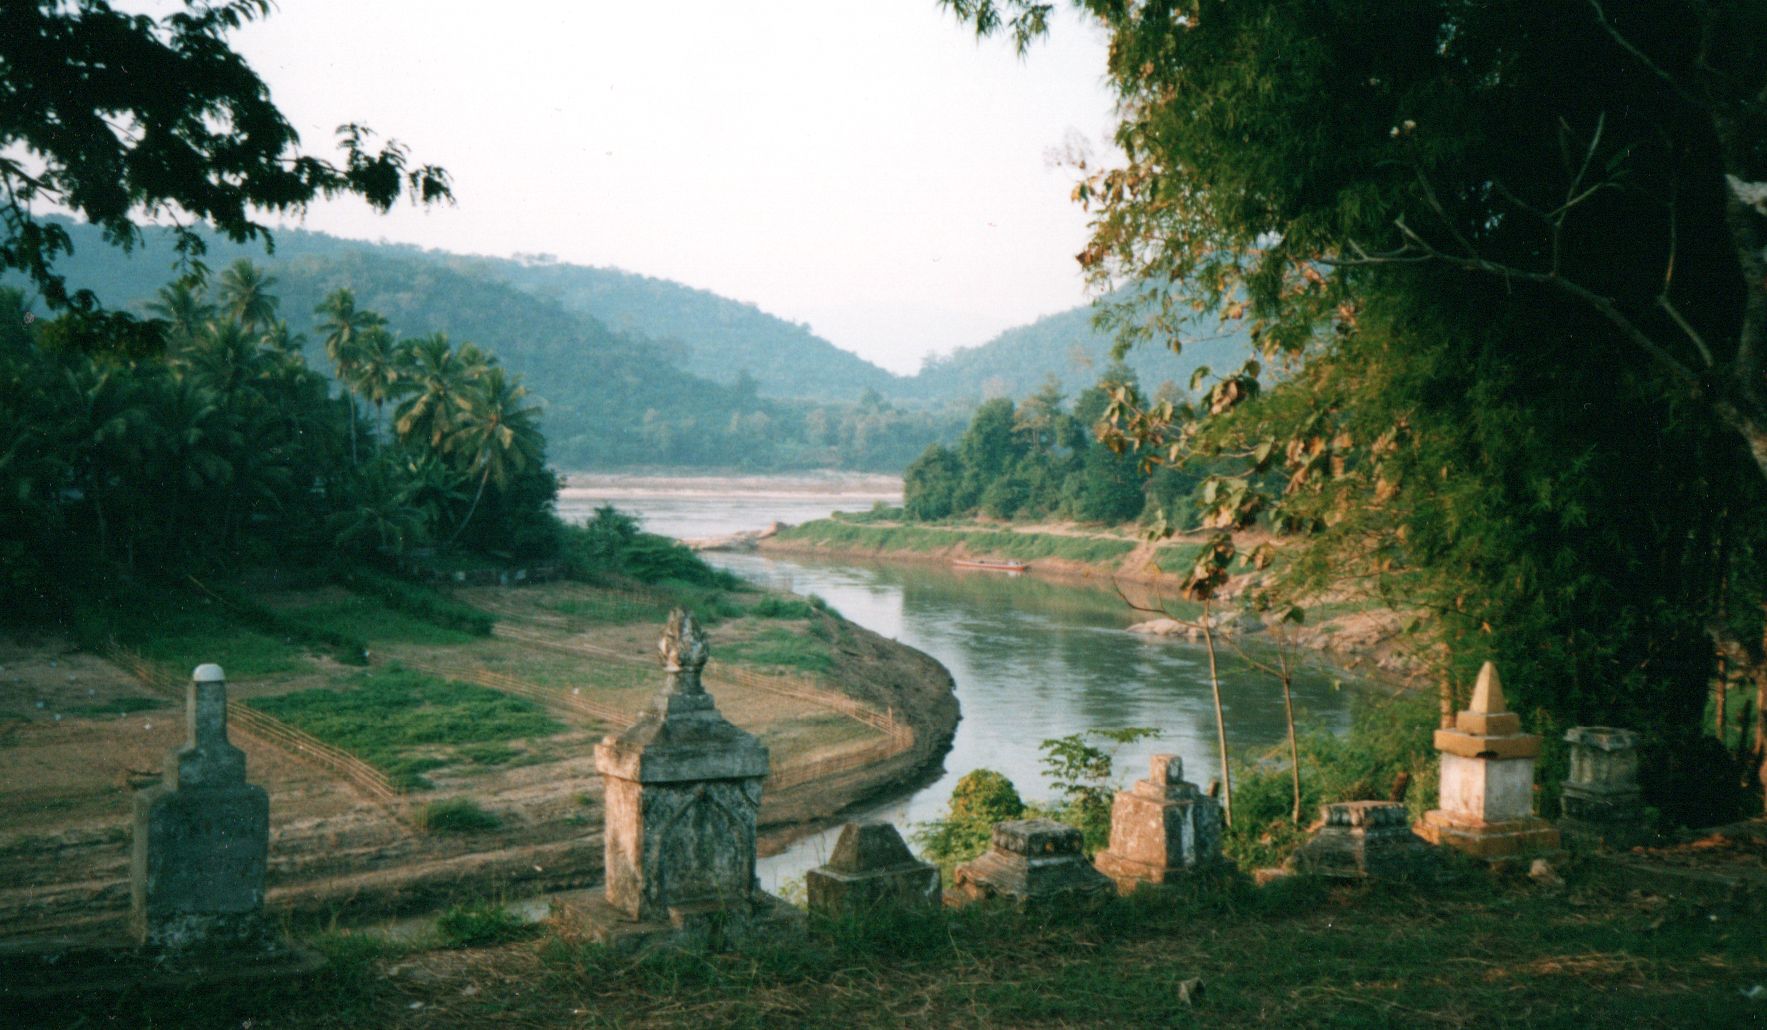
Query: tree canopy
<point x="119" y="117"/>
<point x="1507" y="258"/>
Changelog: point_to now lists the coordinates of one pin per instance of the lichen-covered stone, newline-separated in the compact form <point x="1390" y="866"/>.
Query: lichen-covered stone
<point x="201" y="838"/>
<point x="1162" y="829"/>
<point x="1365" y="840"/>
<point x="1030" y="861"/>
<point x="683" y="786"/>
<point x="871" y="869"/>
<point x="1601" y="800"/>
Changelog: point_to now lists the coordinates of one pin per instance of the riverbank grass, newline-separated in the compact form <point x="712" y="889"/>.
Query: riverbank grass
<point x="976" y="541"/>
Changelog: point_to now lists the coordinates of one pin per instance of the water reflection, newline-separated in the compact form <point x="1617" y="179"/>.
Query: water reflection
<point x="1035" y="659"/>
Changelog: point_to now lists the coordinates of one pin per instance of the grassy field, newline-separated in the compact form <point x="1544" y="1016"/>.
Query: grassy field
<point x="991" y="542"/>
<point x="406" y="723"/>
<point x="1478" y="952"/>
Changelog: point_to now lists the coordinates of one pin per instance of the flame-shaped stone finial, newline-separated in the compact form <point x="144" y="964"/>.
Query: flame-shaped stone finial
<point x="683" y="645"/>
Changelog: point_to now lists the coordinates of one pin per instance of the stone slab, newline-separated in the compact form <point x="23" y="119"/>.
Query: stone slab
<point x="1366" y="840"/>
<point x="1031" y="861"/>
<point x="871" y="869"/>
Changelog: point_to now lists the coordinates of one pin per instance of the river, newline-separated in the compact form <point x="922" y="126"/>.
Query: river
<point x="1033" y="659"/>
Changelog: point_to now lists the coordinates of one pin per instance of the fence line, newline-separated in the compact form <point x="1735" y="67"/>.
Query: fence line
<point x="273" y="732"/>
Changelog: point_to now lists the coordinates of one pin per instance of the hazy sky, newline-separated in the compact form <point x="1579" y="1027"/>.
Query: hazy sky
<point x="866" y="167"/>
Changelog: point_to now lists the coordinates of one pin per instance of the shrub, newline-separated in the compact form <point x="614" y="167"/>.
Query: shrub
<point x="978" y="801"/>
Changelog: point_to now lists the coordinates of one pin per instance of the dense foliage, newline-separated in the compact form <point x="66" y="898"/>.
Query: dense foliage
<point x="1509" y="257"/>
<point x="1039" y="460"/>
<point x="228" y="449"/>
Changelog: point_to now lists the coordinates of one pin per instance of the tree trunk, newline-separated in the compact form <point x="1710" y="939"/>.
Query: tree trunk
<point x="470" y="509"/>
<point x="1294" y="751"/>
<point x="1220" y="721"/>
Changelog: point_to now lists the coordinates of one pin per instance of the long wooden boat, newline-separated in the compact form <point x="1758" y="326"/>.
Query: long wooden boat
<point x="993" y="564"/>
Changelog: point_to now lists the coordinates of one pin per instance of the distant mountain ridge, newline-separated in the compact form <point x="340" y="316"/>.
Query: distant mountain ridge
<point x="637" y="370"/>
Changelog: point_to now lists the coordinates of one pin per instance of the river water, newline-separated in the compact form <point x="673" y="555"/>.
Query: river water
<point x="1033" y="659"/>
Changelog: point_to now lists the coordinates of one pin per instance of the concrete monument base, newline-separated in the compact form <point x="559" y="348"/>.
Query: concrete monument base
<point x="1530" y="835"/>
<point x="708" y="926"/>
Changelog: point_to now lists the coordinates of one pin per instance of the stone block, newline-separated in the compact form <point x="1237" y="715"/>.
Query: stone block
<point x="871" y="869"/>
<point x="1031" y="861"/>
<point x="1601" y="801"/>
<point x="1366" y="840"/>
<point x="201" y="844"/>
<point x="1162" y="828"/>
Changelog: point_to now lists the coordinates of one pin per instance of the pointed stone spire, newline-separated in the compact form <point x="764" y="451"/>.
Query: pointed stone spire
<point x="1487" y="696"/>
<point x="1488" y="714"/>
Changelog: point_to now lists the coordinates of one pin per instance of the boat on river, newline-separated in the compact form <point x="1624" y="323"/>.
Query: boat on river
<point x="993" y="564"/>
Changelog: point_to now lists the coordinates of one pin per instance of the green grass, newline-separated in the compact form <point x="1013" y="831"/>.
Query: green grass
<point x="183" y="638"/>
<point x="610" y="609"/>
<point x="374" y="621"/>
<point x="456" y="816"/>
<point x="407" y="723"/>
<point x="990" y="542"/>
<point x="118" y="706"/>
<point x="783" y="648"/>
<point x="774" y="606"/>
<point x="1296" y="953"/>
<point x="479" y="924"/>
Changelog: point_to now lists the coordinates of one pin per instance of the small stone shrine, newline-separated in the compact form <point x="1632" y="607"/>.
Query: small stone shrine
<point x="1487" y="789"/>
<point x="871" y="869"/>
<point x="1365" y="840"/>
<point x="682" y="787"/>
<point x="1162" y="828"/>
<point x="201" y="838"/>
<point x="1601" y="801"/>
<point x="1031" y="861"/>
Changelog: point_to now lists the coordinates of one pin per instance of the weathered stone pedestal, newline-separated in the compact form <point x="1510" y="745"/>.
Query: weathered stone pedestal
<point x="683" y="787"/>
<point x="1162" y="829"/>
<point x="202" y="839"/>
<point x="1601" y="801"/>
<point x="871" y="869"/>
<point x="1487" y="788"/>
<point x="1366" y="840"/>
<point x="1030" y="862"/>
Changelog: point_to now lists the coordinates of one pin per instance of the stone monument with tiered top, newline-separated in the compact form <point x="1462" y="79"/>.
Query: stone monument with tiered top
<point x="1487" y="781"/>
<point x="1162" y="829"/>
<point x="682" y="790"/>
<point x="202" y="838"/>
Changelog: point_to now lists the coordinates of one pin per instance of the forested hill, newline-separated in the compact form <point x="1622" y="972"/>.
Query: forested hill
<point x="642" y="371"/>
<point x="1068" y="346"/>
<point x="613" y="399"/>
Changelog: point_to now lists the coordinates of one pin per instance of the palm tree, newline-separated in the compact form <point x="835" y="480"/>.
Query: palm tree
<point x="377" y="368"/>
<point x="345" y="327"/>
<point x="246" y="297"/>
<point x="432" y="375"/>
<point x="497" y="431"/>
<point x="183" y="309"/>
